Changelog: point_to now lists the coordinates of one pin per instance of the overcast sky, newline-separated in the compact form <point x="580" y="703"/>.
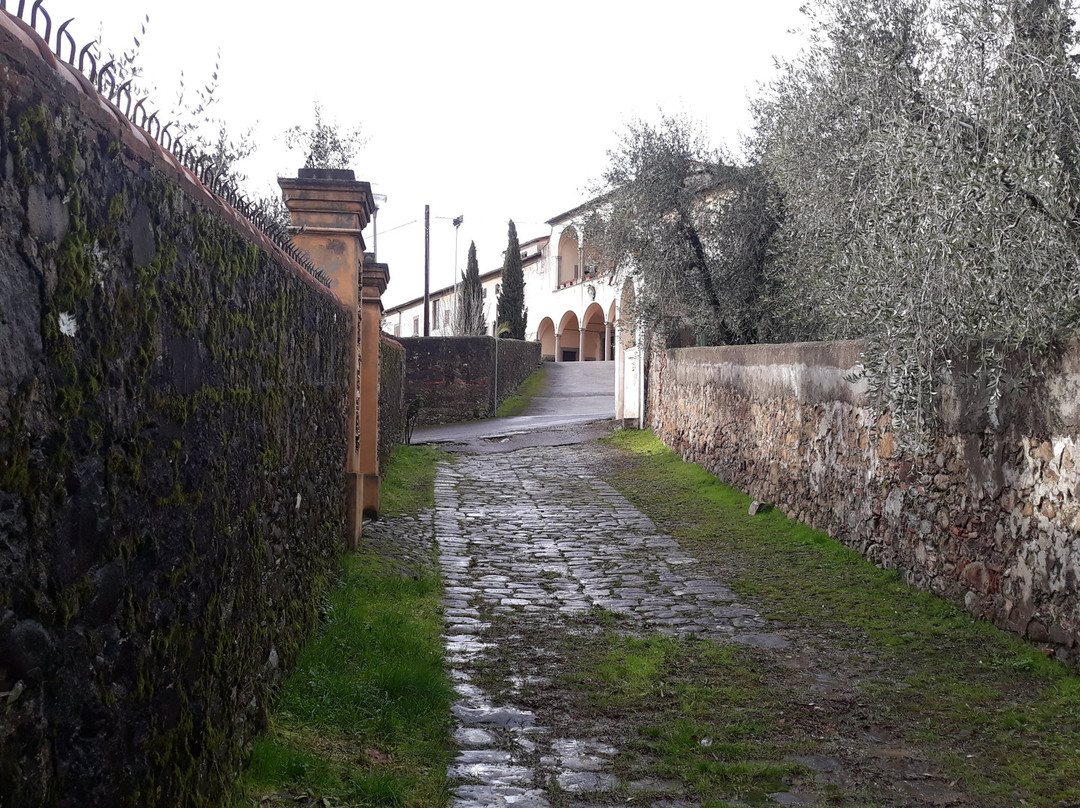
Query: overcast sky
<point x="490" y="110"/>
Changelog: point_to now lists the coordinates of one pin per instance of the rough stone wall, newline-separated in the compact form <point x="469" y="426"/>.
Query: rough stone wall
<point x="172" y="442"/>
<point x="391" y="398"/>
<point x="456" y="375"/>
<point x="989" y="517"/>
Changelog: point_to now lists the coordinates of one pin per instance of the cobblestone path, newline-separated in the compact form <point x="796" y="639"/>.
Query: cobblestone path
<point x="532" y="539"/>
<point x="543" y="562"/>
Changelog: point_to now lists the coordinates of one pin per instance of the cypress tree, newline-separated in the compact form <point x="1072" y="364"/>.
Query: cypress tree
<point x="470" y="306"/>
<point x="511" y="310"/>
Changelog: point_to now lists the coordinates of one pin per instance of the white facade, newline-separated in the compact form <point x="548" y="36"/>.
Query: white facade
<point x="573" y="309"/>
<point x="407" y="319"/>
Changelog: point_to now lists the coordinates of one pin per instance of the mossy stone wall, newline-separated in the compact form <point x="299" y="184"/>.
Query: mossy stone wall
<point x="172" y="444"/>
<point x="455" y="376"/>
<point x="391" y="399"/>
<point x="988" y="517"/>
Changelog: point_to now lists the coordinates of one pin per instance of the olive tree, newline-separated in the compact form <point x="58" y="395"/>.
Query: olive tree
<point x="324" y="144"/>
<point x="691" y="230"/>
<point x="926" y="155"/>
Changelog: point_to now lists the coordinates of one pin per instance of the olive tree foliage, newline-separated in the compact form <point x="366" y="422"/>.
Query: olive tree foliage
<point x="192" y="116"/>
<point x="469" y="312"/>
<point x="324" y="144"/>
<point x="691" y="231"/>
<point x="927" y="157"/>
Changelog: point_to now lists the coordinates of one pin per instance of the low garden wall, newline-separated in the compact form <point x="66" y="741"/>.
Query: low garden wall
<point x="455" y="376"/>
<point x="989" y="517"/>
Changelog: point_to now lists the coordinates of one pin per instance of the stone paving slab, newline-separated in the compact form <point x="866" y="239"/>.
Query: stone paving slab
<point x="538" y="555"/>
<point x="534" y="535"/>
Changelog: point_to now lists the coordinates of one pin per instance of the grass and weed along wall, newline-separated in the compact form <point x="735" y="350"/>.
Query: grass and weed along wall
<point x="172" y="445"/>
<point x="990" y="516"/>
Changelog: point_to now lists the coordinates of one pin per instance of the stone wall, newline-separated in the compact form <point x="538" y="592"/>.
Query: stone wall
<point x="989" y="517"/>
<point x="172" y="438"/>
<point x="456" y="375"/>
<point x="391" y="398"/>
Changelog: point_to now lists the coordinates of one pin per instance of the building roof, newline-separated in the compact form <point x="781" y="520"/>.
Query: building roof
<point x="487" y="276"/>
<point x="582" y="208"/>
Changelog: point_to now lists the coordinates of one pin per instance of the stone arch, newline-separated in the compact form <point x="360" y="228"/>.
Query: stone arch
<point x="545" y="335"/>
<point x="567" y="347"/>
<point x="592" y="327"/>
<point x="569" y="259"/>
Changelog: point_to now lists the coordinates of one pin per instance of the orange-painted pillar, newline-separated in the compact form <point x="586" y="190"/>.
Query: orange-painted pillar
<point x="373" y="280"/>
<point x="329" y="209"/>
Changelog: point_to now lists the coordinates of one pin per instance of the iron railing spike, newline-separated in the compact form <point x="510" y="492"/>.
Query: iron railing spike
<point x="86" y="54"/>
<point x="61" y="32"/>
<point x="106" y="70"/>
<point x="135" y="113"/>
<point x="33" y="19"/>
<point x="124" y="90"/>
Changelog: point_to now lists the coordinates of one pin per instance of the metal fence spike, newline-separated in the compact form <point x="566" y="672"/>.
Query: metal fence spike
<point x="123" y="90"/>
<point x="135" y="113"/>
<point x="86" y="54"/>
<point x="33" y="19"/>
<point x="106" y="70"/>
<point x="61" y="32"/>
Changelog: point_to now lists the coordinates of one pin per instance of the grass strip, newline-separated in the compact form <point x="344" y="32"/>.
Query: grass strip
<point x="992" y="711"/>
<point x="702" y="713"/>
<point x="364" y="718"/>
<point x="533" y="386"/>
<point x="409" y="483"/>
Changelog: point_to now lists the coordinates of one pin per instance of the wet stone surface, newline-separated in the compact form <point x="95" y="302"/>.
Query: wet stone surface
<point x="538" y="555"/>
<point x="533" y="539"/>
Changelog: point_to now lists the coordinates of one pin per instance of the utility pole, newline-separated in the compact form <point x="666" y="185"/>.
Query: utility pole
<point x="427" y="270"/>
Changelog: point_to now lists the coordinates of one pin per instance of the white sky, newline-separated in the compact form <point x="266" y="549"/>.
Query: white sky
<point x="491" y="110"/>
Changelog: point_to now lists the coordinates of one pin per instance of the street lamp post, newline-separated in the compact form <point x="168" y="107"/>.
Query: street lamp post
<point x="380" y="200"/>
<point x="457" y="280"/>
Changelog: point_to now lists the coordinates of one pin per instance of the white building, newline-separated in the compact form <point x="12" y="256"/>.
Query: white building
<point x="573" y="307"/>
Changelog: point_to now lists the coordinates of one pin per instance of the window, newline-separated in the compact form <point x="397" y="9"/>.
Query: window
<point x="446" y="317"/>
<point x="498" y="289"/>
<point x="435" y="312"/>
<point x="415" y="326"/>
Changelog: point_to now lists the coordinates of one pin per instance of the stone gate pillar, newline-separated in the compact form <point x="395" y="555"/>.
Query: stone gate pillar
<point x="329" y="209"/>
<point x="373" y="280"/>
